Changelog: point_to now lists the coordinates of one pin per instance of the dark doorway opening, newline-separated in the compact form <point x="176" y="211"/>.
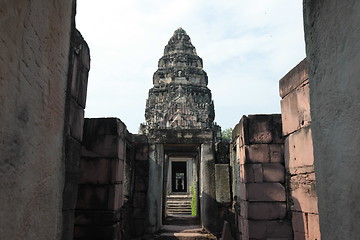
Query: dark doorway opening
<point x="179" y="178"/>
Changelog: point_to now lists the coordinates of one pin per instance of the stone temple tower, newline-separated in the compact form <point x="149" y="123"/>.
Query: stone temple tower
<point x="181" y="134"/>
<point x="180" y="98"/>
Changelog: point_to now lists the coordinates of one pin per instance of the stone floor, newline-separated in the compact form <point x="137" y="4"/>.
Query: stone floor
<point x="183" y="228"/>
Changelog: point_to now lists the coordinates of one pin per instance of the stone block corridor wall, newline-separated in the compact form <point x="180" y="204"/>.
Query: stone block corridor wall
<point x="332" y="32"/>
<point x="113" y="182"/>
<point x="41" y="117"/>
<point x="257" y="150"/>
<point x="75" y="104"/>
<point x="100" y="193"/>
<point x="299" y="157"/>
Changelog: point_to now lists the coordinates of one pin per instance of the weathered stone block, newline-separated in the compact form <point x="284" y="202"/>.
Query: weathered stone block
<point x="68" y="224"/>
<point x="273" y="172"/>
<point x="306" y="226"/>
<point x="103" y="126"/>
<point x="276" y="153"/>
<point x="79" y="82"/>
<point x="265" y="192"/>
<point x="299" y="156"/>
<point x="303" y="193"/>
<point x="102" y="146"/>
<point x="244" y="209"/>
<point x="244" y="228"/>
<point x="70" y="190"/>
<point x="295" y="109"/>
<point x="73" y="151"/>
<point x="100" y="197"/>
<point x="314" y="227"/>
<point x="266" y="210"/>
<point x="251" y="173"/>
<point x="101" y="170"/>
<point x="257" y="153"/>
<point x="85" y="56"/>
<point x="270" y="229"/>
<point x="140" y="184"/>
<point x="140" y="199"/>
<point x="294" y="79"/>
<point x="142" y="152"/>
<point x="222" y="183"/>
<point x="240" y="132"/>
<point x="260" y="129"/>
<point x="137" y="227"/>
<point x="243" y="191"/>
<point x="96" y="217"/>
<point x="138" y="213"/>
<point x="76" y="120"/>
<point x="141" y="168"/>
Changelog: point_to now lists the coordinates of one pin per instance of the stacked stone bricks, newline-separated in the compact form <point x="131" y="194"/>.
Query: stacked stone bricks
<point x="259" y="155"/>
<point x="100" y="194"/>
<point x="75" y="101"/>
<point x="299" y="158"/>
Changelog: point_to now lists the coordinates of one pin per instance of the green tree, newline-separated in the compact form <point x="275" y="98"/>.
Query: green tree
<point x="227" y="134"/>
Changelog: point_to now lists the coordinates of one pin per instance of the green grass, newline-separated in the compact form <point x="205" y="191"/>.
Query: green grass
<point x="193" y="199"/>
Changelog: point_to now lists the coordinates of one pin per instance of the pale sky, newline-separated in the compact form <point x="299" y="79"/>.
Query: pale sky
<point x="247" y="46"/>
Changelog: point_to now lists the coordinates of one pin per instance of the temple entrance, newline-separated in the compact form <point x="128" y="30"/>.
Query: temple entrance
<point x="178" y="177"/>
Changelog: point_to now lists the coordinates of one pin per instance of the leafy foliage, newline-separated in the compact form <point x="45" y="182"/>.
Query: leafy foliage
<point x="227" y="134"/>
<point x="193" y="199"/>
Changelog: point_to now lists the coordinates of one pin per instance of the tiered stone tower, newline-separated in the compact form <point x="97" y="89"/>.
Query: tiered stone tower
<point x="180" y="98"/>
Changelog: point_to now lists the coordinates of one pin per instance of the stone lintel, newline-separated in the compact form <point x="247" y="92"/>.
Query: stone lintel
<point x="180" y="136"/>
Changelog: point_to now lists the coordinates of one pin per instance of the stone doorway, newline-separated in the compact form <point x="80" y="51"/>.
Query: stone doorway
<point x="181" y="182"/>
<point x="178" y="176"/>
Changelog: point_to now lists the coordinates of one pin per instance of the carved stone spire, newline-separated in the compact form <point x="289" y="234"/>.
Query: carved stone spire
<point x="179" y="98"/>
<point x="180" y="63"/>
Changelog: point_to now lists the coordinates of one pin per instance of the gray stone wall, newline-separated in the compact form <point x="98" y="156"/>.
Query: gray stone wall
<point x="79" y="67"/>
<point x="332" y="31"/>
<point x="34" y="46"/>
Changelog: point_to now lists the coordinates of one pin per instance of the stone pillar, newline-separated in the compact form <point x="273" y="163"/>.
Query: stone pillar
<point x="155" y="188"/>
<point x="299" y="157"/>
<point x="332" y="32"/>
<point x="263" y="205"/>
<point x="207" y="188"/>
<point x="139" y="217"/>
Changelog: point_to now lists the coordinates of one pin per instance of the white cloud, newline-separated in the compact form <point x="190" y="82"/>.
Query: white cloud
<point x="246" y="46"/>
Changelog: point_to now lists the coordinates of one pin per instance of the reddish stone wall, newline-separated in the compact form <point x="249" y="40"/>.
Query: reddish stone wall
<point x="299" y="158"/>
<point x="258" y="147"/>
<point x="100" y="194"/>
<point x="113" y="184"/>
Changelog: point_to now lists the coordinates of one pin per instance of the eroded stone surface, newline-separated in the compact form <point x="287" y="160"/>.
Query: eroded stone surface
<point x="180" y="98"/>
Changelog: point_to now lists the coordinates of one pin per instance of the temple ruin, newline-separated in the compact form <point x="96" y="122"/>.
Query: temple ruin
<point x="282" y="176"/>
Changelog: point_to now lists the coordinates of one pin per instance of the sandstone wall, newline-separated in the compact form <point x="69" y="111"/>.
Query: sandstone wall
<point x="34" y="46"/>
<point x="75" y="103"/>
<point x="101" y="193"/>
<point x="113" y="182"/>
<point x="332" y="32"/>
<point x="299" y="157"/>
<point x="258" y="147"/>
